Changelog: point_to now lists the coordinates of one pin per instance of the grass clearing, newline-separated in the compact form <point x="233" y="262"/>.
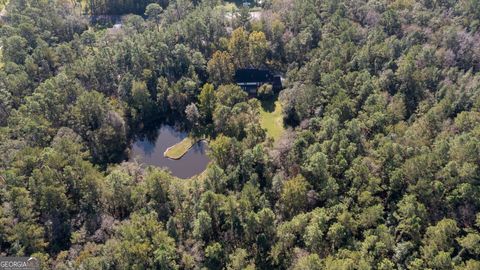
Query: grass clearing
<point x="178" y="150"/>
<point x="271" y="119"/>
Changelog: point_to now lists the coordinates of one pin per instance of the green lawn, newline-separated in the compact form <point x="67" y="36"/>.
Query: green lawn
<point x="271" y="119"/>
<point x="178" y="150"/>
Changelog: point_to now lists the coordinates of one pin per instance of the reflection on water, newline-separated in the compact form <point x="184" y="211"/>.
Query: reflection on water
<point x="149" y="150"/>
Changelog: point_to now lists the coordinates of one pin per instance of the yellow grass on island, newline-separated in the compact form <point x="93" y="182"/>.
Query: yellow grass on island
<point x="178" y="150"/>
<point x="272" y="121"/>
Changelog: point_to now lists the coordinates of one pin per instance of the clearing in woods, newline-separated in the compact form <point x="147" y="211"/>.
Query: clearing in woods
<point x="271" y="118"/>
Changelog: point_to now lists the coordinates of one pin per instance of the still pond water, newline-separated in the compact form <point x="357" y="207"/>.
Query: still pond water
<point x="149" y="151"/>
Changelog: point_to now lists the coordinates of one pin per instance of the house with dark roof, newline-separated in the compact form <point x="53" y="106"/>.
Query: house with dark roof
<point x="250" y="79"/>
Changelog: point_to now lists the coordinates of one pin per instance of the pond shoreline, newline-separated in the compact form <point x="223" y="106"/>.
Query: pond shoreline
<point x="191" y="157"/>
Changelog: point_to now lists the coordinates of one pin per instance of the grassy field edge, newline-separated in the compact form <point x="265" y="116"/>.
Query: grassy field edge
<point x="272" y="122"/>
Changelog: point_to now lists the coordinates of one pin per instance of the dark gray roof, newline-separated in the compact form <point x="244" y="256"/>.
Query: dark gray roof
<point x="253" y="75"/>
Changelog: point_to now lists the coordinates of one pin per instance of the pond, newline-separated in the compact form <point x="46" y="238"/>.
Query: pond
<point x="149" y="151"/>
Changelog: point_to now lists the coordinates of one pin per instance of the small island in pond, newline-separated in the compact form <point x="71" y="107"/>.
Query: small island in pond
<point x="186" y="157"/>
<point x="178" y="150"/>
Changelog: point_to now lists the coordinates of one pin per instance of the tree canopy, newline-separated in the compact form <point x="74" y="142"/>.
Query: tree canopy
<point x="378" y="166"/>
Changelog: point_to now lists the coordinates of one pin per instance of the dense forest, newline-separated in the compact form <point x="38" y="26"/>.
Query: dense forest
<point x="378" y="166"/>
<point x="117" y="7"/>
